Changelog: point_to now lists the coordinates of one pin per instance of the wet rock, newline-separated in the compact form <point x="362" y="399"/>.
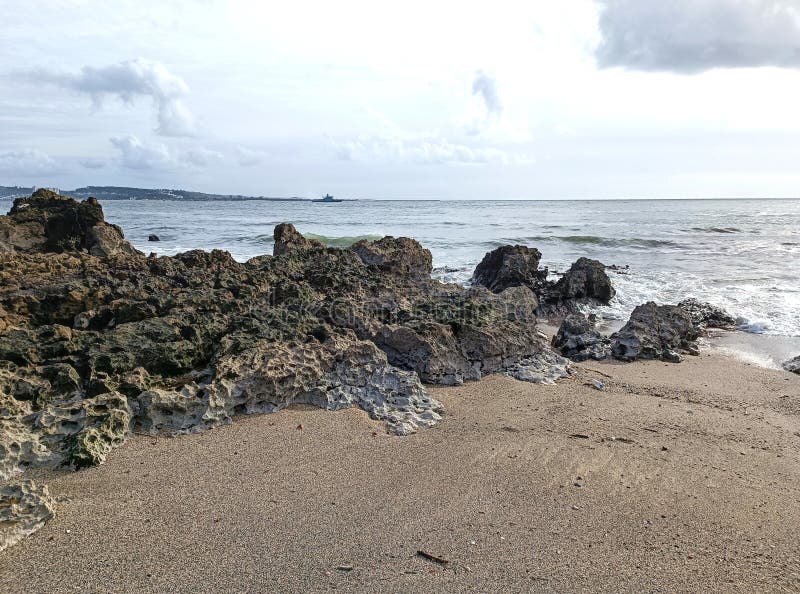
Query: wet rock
<point x="511" y="266"/>
<point x="287" y="239"/>
<point x="585" y="280"/>
<point x="49" y="222"/>
<point x="153" y="237"/>
<point x="793" y="365"/>
<point x="655" y="332"/>
<point x="397" y="255"/>
<point x="704" y="315"/>
<point x="24" y="508"/>
<point x="578" y="340"/>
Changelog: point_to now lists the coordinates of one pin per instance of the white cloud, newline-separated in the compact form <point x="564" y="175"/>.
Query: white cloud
<point x="250" y="158"/>
<point x="202" y="157"/>
<point x="26" y="162"/>
<point x="134" y="154"/>
<point x="92" y="163"/>
<point x="435" y="150"/>
<point x="690" y="36"/>
<point x="127" y="81"/>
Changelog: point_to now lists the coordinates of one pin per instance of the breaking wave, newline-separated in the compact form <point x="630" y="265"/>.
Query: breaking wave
<point x="341" y="241"/>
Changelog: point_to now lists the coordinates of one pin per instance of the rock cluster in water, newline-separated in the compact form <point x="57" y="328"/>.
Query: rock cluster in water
<point x="585" y="283"/>
<point x="653" y="332"/>
<point x="793" y="365"/>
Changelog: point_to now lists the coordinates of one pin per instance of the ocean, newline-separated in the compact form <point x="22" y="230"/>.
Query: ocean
<point x="743" y="255"/>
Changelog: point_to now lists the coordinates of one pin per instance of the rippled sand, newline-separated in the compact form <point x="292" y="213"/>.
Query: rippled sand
<point x="676" y="478"/>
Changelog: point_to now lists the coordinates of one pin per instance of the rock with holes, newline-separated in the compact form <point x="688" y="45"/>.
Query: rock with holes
<point x="396" y="255"/>
<point x="579" y="340"/>
<point x="84" y="431"/>
<point x="704" y="315"/>
<point x="793" y="365"/>
<point x="25" y="506"/>
<point x="511" y="266"/>
<point x="655" y="332"/>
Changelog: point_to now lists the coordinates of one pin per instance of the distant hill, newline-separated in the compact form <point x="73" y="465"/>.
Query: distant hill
<point x="15" y="191"/>
<point x="123" y="193"/>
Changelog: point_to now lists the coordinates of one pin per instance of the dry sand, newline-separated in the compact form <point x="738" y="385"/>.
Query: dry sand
<point x="701" y="493"/>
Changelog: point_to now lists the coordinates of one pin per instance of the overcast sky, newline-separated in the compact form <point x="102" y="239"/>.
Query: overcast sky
<point x="419" y="99"/>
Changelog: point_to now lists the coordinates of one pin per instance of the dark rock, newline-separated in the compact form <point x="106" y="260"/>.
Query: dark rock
<point x="578" y="340"/>
<point x="49" y="222"/>
<point x="287" y="239"/>
<point x="655" y="332"/>
<point x="793" y="365"/>
<point x="153" y="237"/>
<point x="704" y="315"/>
<point x="397" y="255"/>
<point x="511" y="266"/>
<point x="585" y="280"/>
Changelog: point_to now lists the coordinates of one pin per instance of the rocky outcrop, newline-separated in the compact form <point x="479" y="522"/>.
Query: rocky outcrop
<point x="585" y="283"/>
<point x="49" y="222"/>
<point x="578" y="340"/>
<point x="287" y="239"/>
<point x="97" y="341"/>
<point x="337" y="373"/>
<point x="24" y="508"/>
<point x="656" y="332"/>
<point x="704" y="315"/>
<point x="586" y="280"/>
<point x="511" y="266"/>
<point x="397" y="255"/>
<point x="793" y="365"/>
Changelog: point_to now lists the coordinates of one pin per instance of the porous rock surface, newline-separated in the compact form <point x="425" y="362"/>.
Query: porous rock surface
<point x="511" y="266"/>
<point x="704" y="315"/>
<point x="25" y="506"/>
<point x="586" y="279"/>
<point x="793" y="365"/>
<point x="585" y="283"/>
<point x="579" y="340"/>
<point x="97" y="340"/>
<point x="656" y="332"/>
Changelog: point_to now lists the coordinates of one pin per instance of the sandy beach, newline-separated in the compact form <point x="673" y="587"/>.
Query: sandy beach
<point x="675" y="478"/>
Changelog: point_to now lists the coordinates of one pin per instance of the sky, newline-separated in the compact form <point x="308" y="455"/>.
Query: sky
<point x="419" y="99"/>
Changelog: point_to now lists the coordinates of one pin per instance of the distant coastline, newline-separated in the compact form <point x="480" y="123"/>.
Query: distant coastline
<point x="125" y="193"/>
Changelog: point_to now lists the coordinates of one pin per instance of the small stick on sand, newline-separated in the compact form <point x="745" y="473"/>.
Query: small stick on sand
<point x="433" y="558"/>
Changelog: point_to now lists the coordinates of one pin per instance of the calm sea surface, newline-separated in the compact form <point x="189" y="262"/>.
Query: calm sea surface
<point x="743" y="255"/>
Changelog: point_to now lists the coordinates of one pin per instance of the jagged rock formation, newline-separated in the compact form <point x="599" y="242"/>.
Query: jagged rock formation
<point x="586" y="279"/>
<point x="288" y="239"/>
<point x="578" y="340"/>
<point x="49" y="222"/>
<point x="511" y="266"/>
<point x="97" y="340"/>
<point x="793" y="365"/>
<point x="704" y="315"/>
<point x="585" y="283"/>
<point x="24" y="508"/>
<point x="656" y="332"/>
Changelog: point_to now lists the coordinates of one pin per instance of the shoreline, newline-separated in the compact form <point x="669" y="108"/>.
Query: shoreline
<point x="686" y="482"/>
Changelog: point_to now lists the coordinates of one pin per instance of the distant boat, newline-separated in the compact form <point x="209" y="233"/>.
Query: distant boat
<point x="327" y="199"/>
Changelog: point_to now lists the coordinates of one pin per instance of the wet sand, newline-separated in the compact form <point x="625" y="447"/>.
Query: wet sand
<point x="675" y="478"/>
